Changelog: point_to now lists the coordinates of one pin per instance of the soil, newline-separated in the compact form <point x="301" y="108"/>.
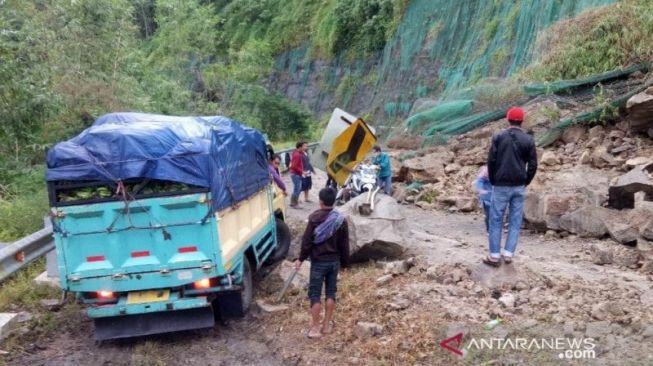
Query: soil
<point x="556" y="291"/>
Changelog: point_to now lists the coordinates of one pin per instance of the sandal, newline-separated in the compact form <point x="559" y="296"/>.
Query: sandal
<point x="491" y="262"/>
<point x="328" y="328"/>
<point x="507" y="259"/>
<point x="312" y="336"/>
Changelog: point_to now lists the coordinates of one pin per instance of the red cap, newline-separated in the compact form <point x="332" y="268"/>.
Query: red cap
<point x="515" y="114"/>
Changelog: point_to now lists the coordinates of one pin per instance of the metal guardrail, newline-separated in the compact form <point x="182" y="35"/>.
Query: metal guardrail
<point x="24" y="251"/>
<point x="285" y="154"/>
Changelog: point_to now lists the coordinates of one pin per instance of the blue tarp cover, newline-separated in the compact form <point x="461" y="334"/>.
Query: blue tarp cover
<point x="213" y="152"/>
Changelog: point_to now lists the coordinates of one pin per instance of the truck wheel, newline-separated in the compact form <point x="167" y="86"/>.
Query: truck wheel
<point x="283" y="243"/>
<point x="247" y="292"/>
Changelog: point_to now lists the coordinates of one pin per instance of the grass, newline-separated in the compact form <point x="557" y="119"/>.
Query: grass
<point x="20" y="293"/>
<point x="597" y="41"/>
<point x="409" y="336"/>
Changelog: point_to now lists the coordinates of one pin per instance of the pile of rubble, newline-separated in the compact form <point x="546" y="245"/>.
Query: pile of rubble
<point x="580" y="188"/>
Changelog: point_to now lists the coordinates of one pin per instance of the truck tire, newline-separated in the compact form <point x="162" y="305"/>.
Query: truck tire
<point x="283" y="243"/>
<point x="247" y="293"/>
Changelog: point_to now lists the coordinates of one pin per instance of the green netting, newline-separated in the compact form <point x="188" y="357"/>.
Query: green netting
<point x="440" y="113"/>
<point x="472" y="39"/>
<point x="592" y="116"/>
<point x="415" y="186"/>
<point x="394" y="109"/>
<point x="564" y="85"/>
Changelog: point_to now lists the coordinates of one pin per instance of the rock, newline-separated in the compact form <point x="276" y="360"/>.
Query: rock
<point x="640" y="111"/>
<point x="492" y="278"/>
<point x="452" y="168"/>
<point x="622" y="148"/>
<point x="458" y="275"/>
<point x="550" y="235"/>
<point x="601" y="158"/>
<point x="8" y="322"/>
<point x="383" y="280"/>
<point x="381" y="235"/>
<point x="646" y="231"/>
<point x="600" y="256"/>
<point x="587" y="221"/>
<point x="594" y="142"/>
<point x="24" y="317"/>
<point x="648" y="331"/>
<point x="622" y="232"/>
<point x="432" y="273"/>
<point x="51" y="304"/>
<point x="640" y="160"/>
<point x="626" y="256"/>
<point x="621" y="193"/>
<point x="647" y="267"/>
<point x="585" y="157"/>
<point x="598" y="329"/>
<point x="456" y="328"/>
<point x="426" y="205"/>
<point x="367" y="329"/>
<point x="398" y="304"/>
<point x="270" y="308"/>
<point x="466" y="204"/>
<point x="529" y="323"/>
<point x="399" y="193"/>
<point x="543" y="212"/>
<point x="396" y="267"/>
<point x="507" y="300"/>
<point x="597" y="132"/>
<point x="426" y="169"/>
<point x="549" y="158"/>
<point x="283" y="271"/>
<point x="574" y="134"/>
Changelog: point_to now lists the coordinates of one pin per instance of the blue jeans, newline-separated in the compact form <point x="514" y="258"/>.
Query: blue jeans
<point x="486" y="209"/>
<point x="296" y="185"/>
<point x="386" y="183"/>
<point x="323" y="273"/>
<point x="511" y="198"/>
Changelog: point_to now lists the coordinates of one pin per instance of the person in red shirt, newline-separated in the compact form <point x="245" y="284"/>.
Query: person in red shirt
<point x="297" y="172"/>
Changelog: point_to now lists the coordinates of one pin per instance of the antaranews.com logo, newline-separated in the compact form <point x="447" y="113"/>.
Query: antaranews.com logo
<point x="566" y="348"/>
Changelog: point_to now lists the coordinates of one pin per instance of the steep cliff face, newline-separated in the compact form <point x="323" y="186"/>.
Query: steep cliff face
<point x="439" y="47"/>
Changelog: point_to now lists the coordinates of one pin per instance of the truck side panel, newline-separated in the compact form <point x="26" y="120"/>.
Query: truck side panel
<point x="239" y="226"/>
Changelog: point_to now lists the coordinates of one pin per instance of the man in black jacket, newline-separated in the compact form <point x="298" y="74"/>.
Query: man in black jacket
<point x="512" y="163"/>
<point x="326" y="243"/>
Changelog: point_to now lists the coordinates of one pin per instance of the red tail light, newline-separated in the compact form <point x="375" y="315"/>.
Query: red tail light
<point x="187" y="249"/>
<point x="144" y="253"/>
<point x="202" y="284"/>
<point x="95" y="258"/>
<point x="105" y="294"/>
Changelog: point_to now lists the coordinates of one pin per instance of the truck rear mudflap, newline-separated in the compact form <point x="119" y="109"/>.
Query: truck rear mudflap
<point x="126" y="326"/>
<point x="142" y="315"/>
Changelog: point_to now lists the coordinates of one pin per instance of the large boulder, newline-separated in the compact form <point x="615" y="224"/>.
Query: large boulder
<point x="622" y="232"/>
<point x="380" y="235"/>
<point x="622" y="192"/>
<point x="574" y="134"/>
<point x="426" y="169"/>
<point x="640" y="110"/>
<point x="588" y="221"/>
<point x="543" y="212"/>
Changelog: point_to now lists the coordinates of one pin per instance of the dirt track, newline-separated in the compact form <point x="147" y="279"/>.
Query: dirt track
<point x="561" y="287"/>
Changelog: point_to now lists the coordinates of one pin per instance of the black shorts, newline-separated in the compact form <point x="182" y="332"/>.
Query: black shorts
<point x="307" y="183"/>
<point x="323" y="273"/>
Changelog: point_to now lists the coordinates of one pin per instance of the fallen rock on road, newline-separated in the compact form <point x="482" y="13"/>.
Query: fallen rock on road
<point x="381" y="235"/>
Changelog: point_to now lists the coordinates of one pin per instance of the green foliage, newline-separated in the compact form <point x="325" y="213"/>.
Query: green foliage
<point x="596" y="42"/>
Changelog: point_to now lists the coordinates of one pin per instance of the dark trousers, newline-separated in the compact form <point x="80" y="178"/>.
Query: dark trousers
<point x="323" y="273"/>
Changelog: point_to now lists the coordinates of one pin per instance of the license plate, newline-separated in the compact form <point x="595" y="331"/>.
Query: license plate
<point x="141" y="297"/>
